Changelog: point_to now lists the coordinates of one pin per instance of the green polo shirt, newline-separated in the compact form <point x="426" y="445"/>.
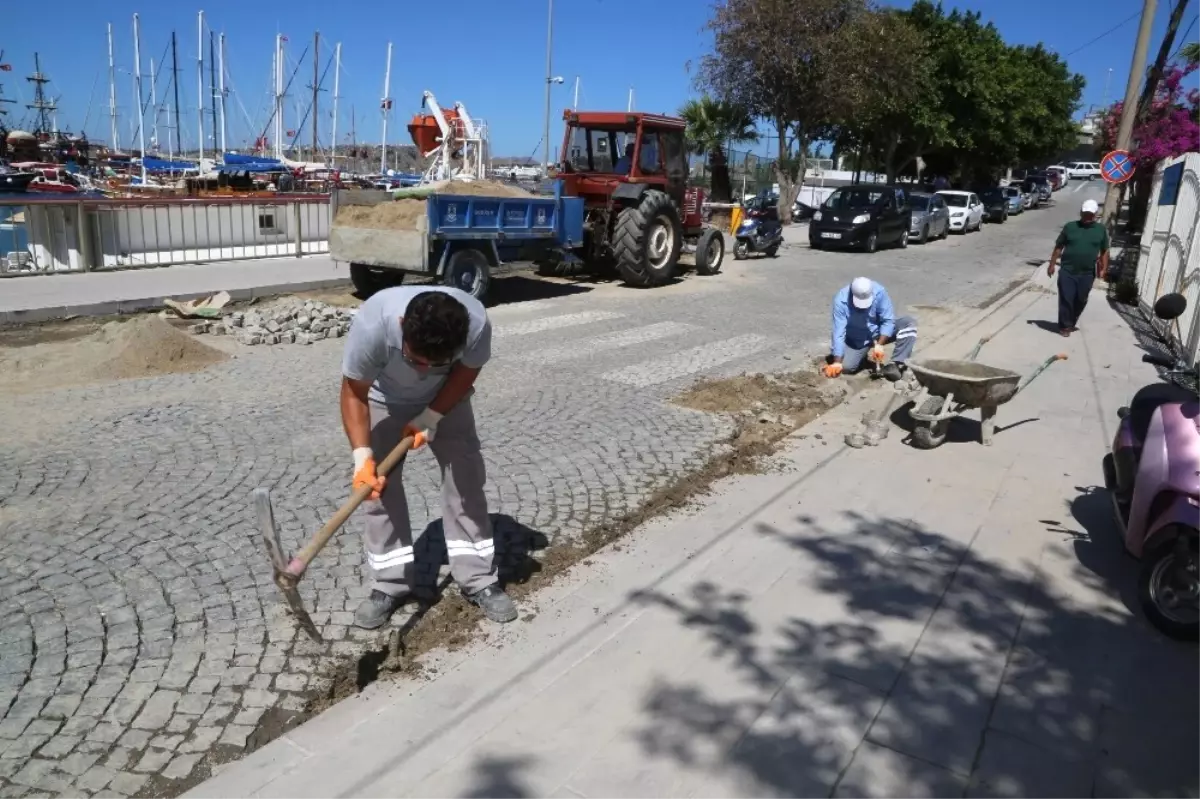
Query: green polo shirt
<point x="1081" y="245"/>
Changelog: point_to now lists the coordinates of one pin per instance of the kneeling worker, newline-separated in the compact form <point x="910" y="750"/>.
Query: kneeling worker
<point x="863" y="322"/>
<point x="409" y="368"/>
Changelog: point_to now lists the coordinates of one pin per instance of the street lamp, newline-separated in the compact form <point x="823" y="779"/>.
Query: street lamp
<point x="550" y="80"/>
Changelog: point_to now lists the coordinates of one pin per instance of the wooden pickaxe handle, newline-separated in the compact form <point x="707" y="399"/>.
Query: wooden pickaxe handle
<point x="300" y="561"/>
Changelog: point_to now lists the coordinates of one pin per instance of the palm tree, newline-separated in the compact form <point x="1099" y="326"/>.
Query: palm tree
<point x="1190" y="52"/>
<point x="711" y="126"/>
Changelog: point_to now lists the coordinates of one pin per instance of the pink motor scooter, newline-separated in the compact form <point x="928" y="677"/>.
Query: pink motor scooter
<point x="1153" y="476"/>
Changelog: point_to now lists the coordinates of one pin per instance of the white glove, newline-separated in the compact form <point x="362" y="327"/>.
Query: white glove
<point x="877" y="354"/>
<point x="361" y="455"/>
<point x="426" y="423"/>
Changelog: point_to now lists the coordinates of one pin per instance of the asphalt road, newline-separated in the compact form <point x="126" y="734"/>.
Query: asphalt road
<point x="139" y="630"/>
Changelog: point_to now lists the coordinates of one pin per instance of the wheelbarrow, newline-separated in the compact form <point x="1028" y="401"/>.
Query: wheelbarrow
<point x="951" y="387"/>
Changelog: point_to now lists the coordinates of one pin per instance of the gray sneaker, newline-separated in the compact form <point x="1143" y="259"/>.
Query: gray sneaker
<point x="376" y="609"/>
<point x="495" y="604"/>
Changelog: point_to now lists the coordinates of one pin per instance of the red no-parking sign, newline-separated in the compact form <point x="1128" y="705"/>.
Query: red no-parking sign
<point x="1117" y="166"/>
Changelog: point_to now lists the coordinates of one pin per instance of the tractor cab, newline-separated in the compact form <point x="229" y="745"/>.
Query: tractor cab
<point x="631" y="170"/>
<point x="603" y="149"/>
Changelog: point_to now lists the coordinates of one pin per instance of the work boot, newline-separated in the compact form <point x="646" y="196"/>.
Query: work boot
<point x="893" y="372"/>
<point x="494" y="603"/>
<point x="376" y="609"/>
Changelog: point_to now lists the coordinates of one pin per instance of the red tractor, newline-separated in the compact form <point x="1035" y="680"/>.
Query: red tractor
<point x="631" y="170"/>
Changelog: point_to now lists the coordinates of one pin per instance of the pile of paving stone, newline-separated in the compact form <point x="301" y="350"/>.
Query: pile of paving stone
<point x="292" y="322"/>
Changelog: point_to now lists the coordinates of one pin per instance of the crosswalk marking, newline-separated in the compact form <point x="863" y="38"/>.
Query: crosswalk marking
<point x="686" y="362"/>
<point x="611" y="341"/>
<point x="553" y="323"/>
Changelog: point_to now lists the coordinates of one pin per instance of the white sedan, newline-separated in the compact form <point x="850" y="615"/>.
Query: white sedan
<point x="966" y="211"/>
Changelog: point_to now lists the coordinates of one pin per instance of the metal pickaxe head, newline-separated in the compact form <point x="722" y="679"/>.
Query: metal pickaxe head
<point x="287" y="572"/>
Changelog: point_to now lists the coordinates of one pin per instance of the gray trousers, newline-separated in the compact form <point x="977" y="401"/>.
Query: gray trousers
<point x="905" y="339"/>
<point x="468" y="528"/>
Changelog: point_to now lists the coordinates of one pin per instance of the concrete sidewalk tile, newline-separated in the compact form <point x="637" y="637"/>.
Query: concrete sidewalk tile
<point x="1049" y="704"/>
<point x="1145" y="754"/>
<point x="939" y="710"/>
<point x="1009" y="766"/>
<point x="877" y="771"/>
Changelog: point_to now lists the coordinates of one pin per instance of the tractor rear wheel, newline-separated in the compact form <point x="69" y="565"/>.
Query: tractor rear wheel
<point x="646" y="240"/>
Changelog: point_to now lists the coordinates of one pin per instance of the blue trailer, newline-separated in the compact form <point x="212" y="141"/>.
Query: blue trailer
<point x="459" y="239"/>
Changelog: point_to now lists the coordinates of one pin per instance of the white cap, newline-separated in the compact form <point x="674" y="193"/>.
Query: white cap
<point x="862" y="292"/>
<point x="1090" y="207"/>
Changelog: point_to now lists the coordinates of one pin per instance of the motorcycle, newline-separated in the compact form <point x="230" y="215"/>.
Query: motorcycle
<point x="759" y="231"/>
<point x="1152" y="476"/>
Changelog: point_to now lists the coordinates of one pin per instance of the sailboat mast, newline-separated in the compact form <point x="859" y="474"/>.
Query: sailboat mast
<point x="279" y="95"/>
<point x="387" y="108"/>
<point x="112" y="94"/>
<point x="315" y="89"/>
<point x="175" y="84"/>
<point x="337" y="77"/>
<point x="212" y="83"/>
<point x="137" y="69"/>
<point x="154" y="105"/>
<point x="221" y="72"/>
<point x="200" y="80"/>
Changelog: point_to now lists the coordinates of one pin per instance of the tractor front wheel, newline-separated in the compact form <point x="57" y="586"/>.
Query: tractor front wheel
<point x="646" y="240"/>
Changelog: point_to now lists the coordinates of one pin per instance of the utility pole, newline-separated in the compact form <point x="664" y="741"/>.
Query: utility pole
<point x="212" y="84"/>
<point x="575" y="105"/>
<point x="386" y="106"/>
<point x="175" y="83"/>
<point x="337" y="77"/>
<point x="1129" y="109"/>
<point x="315" y="87"/>
<point x="549" y="81"/>
<point x="112" y="94"/>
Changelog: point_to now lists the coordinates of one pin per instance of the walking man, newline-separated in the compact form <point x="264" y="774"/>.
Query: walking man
<point x="409" y="368"/>
<point x="1082" y="248"/>
<point x="863" y="322"/>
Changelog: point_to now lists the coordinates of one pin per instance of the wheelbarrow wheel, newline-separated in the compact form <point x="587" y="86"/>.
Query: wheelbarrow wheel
<point x="930" y="435"/>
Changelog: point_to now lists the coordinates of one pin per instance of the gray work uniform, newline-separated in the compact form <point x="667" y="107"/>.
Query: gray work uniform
<point x="398" y="393"/>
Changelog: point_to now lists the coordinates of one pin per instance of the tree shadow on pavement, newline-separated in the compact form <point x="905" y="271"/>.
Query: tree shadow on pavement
<point x="496" y="777"/>
<point x="1009" y="681"/>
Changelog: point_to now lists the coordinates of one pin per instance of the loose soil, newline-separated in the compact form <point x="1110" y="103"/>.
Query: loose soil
<point x="402" y="214"/>
<point x="143" y="346"/>
<point x="766" y="409"/>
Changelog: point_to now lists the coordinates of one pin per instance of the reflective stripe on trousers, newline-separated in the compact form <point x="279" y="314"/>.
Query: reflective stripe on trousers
<point x="388" y="533"/>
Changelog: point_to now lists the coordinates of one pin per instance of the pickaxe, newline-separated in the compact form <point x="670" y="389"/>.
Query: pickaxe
<point x="288" y="572"/>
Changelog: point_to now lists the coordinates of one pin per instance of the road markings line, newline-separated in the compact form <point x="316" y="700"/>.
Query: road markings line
<point x="581" y="348"/>
<point x="554" y="323"/>
<point x="687" y="362"/>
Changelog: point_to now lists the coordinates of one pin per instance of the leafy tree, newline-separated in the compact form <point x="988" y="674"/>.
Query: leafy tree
<point x="1190" y="53"/>
<point x="711" y="126"/>
<point x="784" y="61"/>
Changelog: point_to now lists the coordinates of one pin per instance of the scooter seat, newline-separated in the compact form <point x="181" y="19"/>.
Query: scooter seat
<point x="1148" y="400"/>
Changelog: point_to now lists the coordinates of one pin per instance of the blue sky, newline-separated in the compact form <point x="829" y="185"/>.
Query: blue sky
<point x="491" y="56"/>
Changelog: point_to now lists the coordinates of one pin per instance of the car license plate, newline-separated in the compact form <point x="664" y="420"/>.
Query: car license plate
<point x="828" y="235"/>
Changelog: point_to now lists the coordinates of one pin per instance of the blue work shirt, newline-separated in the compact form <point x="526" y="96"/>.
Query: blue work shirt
<point x="858" y="328"/>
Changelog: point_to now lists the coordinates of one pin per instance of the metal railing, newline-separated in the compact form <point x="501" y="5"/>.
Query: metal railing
<point x="38" y="236"/>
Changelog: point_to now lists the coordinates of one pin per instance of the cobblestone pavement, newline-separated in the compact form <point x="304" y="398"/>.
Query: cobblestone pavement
<point x="139" y="631"/>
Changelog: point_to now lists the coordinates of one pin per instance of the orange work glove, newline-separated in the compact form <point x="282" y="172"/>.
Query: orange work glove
<point x="831" y="369"/>
<point x="877" y="354"/>
<point x="364" y="472"/>
<point x="423" y="427"/>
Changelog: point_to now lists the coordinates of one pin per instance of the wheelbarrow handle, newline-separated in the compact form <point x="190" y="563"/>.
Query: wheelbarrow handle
<point x="978" y="347"/>
<point x="1062" y="356"/>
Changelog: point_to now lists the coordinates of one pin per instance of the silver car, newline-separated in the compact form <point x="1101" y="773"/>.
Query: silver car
<point x="930" y="218"/>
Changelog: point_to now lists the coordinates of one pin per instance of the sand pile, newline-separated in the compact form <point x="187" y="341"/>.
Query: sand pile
<point x="141" y="347"/>
<point x="403" y="213"/>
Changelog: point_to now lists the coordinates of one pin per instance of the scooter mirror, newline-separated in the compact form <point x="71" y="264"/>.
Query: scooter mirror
<point x="1170" y="306"/>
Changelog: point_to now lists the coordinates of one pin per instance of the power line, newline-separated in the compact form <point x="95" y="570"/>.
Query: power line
<point x="1113" y="29"/>
<point x="1185" y="38"/>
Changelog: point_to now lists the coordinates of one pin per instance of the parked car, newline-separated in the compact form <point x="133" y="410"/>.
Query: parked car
<point x="966" y="211"/>
<point x="1015" y="198"/>
<point x="1061" y="172"/>
<point x="1083" y="170"/>
<point x="863" y="215"/>
<point x="995" y="205"/>
<point x="1040" y="185"/>
<point x="930" y="218"/>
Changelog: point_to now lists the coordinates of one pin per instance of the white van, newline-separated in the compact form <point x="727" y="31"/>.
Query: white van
<point x="1083" y="170"/>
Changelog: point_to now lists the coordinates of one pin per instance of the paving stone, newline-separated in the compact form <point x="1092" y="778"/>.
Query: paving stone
<point x="158" y="710"/>
<point x="127" y="783"/>
<point x="153" y="760"/>
<point x="60" y="745"/>
<point x="78" y="763"/>
<point x="135" y="739"/>
<point x="181" y="766"/>
<point x="168" y="742"/>
<point x="119" y="758"/>
<point x="235" y="735"/>
<point x="202" y="738"/>
<point x="291" y="682"/>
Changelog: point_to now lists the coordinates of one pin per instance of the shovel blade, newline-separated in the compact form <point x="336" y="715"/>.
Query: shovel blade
<point x="291" y="594"/>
